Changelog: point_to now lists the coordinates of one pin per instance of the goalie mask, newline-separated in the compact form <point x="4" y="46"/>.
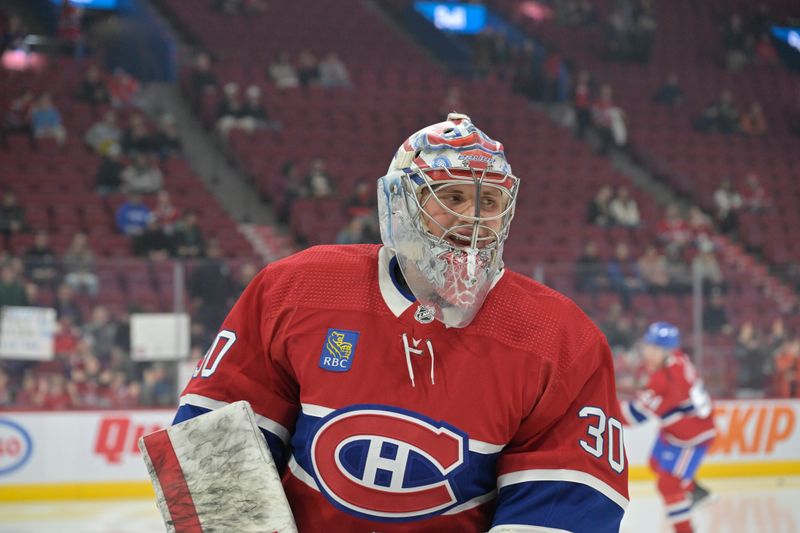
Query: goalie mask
<point x="445" y="207"/>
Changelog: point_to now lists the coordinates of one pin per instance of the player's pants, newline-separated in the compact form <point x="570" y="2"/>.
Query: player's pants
<point x="675" y="467"/>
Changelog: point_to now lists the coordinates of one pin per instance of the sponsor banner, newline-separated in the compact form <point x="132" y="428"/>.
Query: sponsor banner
<point x="40" y="448"/>
<point x="749" y="431"/>
<point x="75" y="447"/>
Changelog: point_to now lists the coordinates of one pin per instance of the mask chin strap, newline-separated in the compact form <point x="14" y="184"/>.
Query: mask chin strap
<point x="409" y="350"/>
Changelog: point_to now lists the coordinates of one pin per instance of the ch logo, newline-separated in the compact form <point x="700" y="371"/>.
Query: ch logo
<point x="386" y="464"/>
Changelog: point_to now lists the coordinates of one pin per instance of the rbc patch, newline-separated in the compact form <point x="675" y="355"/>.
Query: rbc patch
<point x="339" y="350"/>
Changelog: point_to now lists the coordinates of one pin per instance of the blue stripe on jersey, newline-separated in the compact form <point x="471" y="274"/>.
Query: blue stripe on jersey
<point x="562" y="505"/>
<point x="636" y="413"/>
<point x="683" y="408"/>
<point x="187" y="411"/>
<point x="476" y="478"/>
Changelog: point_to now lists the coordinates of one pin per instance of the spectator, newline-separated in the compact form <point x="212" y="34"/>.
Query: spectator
<point x="619" y="328"/>
<point x="752" y="362"/>
<point x="700" y="225"/>
<point x="210" y="286"/>
<point x="93" y="88"/>
<point x="201" y="79"/>
<point x="624" y="209"/>
<point x="680" y="279"/>
<point x="318" y="182"/>
<point x="721" y="115"/>
<point x="787" y="366"/>
<point x="727" y="202"/>
<point x="132" y="216"/>
<point x="136" y="138"/>
<point x="230" y="109"/>
<point x="673" y="231"/>
<point x="753" y="122"/>
<point x="452" y="102"/>
<point x="706" y="267"/>
<point x="582" y="102"/>
<point x="6" y="398"/>
<point x="18" y="117"/>
<point x="598" y="212"/>
<point x="248" y="117"/>
<point x="12" y="291"/>
<point x="765" y="52"/>
<point x="653" y="268"/>
<point x="142" y="176"/>
<point x="57" y="397"/>
<point x="40" y="260"/>
<point x="307" y="69"/>
<point x="590" y="271"/>
<point x="157" y="389"/>
<point x="294" y="188"/>
<point x="12" y="218"/>
<point x="101" y="332"/>
<point x="46" y="120"/>
<point x="14" y="35"/>
<point x="670" y="92"/>
<point x="123" y="88"/>
<point x="189" y="241"/>
<point x="108" y="178"/>
<point x="754" y="197"/>
<point x="70" y="32"/>
<point x="609" y="121"/>
<point x="30" y="394"/>
<point x="283" y="73"/>
<point x="243" y="277"/>
<point x="79" y="265"/>
<point x="104" y="133"/>
<point x="623" y="274"/>
<point x="333" y="72"/>
<point x="362" y="202"/>
<point x="165" y="140"/>
<point x="67" y="306"/>
<point x="352" y="233"/>
<point x="777" y="335"/>
<point x="715" y="318"/>
<point x="165" y="213"/>
<point x="736" y="43"/>
<point x="153" y="243"/>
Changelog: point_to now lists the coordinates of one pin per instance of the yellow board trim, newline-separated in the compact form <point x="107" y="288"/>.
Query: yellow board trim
<point x="77" y="491"/>
<point x="773" y="468"/>
<point x="143" y="489"/>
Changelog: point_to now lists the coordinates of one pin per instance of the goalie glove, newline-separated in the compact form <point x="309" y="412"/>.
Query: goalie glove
<point x="214" y="473"/>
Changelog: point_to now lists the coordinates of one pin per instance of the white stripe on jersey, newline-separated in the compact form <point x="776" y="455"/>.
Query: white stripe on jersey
<point x="301" y="474"/>
<point x="263" y="422"/>
<point x="525" y="528"/>
<point x="477" y="446"/>
<point x="474" y="502"/>
<point x="702" y="437"/>
<point x="572" y="476"/>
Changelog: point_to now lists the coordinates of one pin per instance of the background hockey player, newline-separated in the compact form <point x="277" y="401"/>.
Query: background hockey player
<point x="675" y="396"/>
<point x="420" y="385"/>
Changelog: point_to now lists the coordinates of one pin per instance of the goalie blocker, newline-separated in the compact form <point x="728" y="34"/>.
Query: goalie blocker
<point x="214" y="473"/>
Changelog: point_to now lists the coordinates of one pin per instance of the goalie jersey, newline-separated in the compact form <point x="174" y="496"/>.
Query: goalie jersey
<point x="383" y="419"/>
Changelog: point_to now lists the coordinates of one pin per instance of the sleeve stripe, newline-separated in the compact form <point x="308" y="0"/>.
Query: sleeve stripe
<point x="633" y="413"/>
<point x="524" y="528"/>
<point x="301" y="474"/>
<point x="474" y="502"/>
<point x="263" y="422"/>
<point x="573" y="476"/>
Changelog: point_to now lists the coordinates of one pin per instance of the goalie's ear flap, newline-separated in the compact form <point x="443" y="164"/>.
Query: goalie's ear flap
<point x="214" y="472"/>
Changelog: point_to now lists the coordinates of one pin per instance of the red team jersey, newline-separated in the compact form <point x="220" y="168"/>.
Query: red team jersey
<point x="676" y="396"/>
<point x="384" y="420"/>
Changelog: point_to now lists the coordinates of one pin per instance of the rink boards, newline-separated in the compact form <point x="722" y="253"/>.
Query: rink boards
<point x="93" y="454"/>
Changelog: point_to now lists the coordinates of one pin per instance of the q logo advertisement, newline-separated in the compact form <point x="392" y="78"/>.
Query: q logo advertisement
<point x="15" y="446"/>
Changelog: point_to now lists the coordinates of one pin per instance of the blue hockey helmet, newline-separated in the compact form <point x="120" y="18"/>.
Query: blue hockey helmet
<point x="663" y="334"/>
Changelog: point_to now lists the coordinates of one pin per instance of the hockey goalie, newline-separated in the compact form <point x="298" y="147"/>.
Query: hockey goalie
<point x="419" y="385"/>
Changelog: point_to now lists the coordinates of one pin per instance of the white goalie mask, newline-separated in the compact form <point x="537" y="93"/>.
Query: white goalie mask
<point x="445" y="208"/>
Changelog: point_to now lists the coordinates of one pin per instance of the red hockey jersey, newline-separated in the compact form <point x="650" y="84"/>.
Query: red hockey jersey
<point x="388" y="421"/>
<point x="676" y="396"/>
